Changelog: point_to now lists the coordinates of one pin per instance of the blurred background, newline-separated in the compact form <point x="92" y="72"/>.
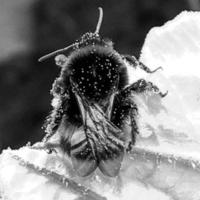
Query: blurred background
<point x="32" y="28"/>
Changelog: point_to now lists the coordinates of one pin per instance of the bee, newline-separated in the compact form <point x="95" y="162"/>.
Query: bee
<point x="94" y="116"/>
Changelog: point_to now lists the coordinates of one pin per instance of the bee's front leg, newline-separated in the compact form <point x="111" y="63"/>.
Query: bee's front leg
<point x="136" y="63"/>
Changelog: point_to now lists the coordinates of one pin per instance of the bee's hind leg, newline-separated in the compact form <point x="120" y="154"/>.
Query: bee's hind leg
<point x="50" y="147"/>
<point x="118" y="184"/>
<point x="142" y="85"/>
<point x="134" y="127"/>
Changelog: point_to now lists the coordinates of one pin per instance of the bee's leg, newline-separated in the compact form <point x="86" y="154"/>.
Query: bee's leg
<point x="50" y="147"/>
<point x="144" y="86"/>
<point x="118" y="184"/>
<point x="134" y="126"/>
<point x="136" y="63"/>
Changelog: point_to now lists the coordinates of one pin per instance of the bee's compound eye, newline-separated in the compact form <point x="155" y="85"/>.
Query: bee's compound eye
<point x="60" y="60"/>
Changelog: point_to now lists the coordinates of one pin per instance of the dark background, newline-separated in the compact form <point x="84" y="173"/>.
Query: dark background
<point x="46" y="25"/>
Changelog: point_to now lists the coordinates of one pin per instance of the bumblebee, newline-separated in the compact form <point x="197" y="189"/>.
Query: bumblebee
<point x="94" y="116"/>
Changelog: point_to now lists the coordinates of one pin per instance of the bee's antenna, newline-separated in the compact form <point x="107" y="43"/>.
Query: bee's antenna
<point x="70" y="46"/>
<point x="55" y="53"/>
<point x="99" y="21"/>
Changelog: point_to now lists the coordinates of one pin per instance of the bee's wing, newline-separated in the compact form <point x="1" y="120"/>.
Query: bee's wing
<point x="111" y="166"/>
<point x="81" y="154"/>
<point x="104" y="141"/>
<point x="111" y="157"/>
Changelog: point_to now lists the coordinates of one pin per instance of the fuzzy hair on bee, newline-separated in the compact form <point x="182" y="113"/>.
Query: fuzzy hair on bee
<point x="94" y="116"/>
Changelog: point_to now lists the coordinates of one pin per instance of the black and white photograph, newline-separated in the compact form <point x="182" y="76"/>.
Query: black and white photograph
<point x="100" y="100"/>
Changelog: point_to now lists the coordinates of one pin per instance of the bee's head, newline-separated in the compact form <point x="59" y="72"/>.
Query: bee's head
<point x="93" y="39"/>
